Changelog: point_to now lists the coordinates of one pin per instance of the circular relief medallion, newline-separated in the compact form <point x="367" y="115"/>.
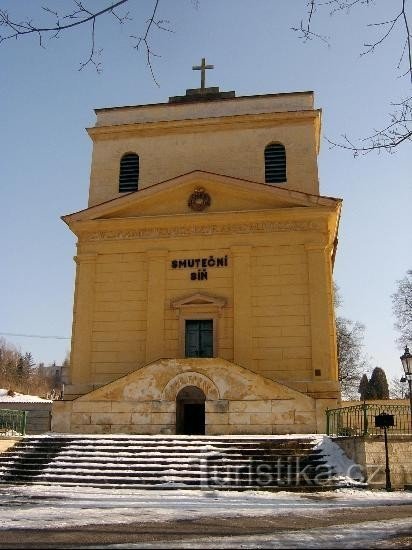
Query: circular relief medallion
<point x="199" y="200"/>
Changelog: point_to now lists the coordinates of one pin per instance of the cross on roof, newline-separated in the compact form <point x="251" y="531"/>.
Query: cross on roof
<point x="202" y="68"/>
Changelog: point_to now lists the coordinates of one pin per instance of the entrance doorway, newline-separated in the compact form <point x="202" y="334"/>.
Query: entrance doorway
<point x="190" y="411"/>
<point x="199" y="338"/>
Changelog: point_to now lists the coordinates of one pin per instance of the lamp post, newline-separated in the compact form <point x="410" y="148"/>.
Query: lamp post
<point x="385" y="421"/>
<point x="406" y="359"/>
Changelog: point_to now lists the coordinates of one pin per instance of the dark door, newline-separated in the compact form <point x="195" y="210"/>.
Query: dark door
<point x="199" y="338"/>
<point x="194" y="419"/>
<point x="190" y="411"/>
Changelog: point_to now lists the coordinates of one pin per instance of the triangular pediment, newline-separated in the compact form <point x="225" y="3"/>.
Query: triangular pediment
<point x="200" y="193"/>
<point x="199" y="299"/>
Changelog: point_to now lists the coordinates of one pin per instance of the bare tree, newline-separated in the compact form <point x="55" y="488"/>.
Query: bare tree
<point x="351" y="361"/>
<point x="53" y="23"/>
<point x="397" y="24"/>
<point x="18" y="372"/>
<point x="402" y="309"/>
<point x="398" y="389"/>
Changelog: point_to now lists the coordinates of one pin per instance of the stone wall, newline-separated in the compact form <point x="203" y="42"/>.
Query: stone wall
<point x="369" y="452"/>
<point x="237" y="402"/>
<point x="281" y="416"/>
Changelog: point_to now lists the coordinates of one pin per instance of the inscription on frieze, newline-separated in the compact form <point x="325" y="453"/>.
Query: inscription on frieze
<point x="186" y="231"/>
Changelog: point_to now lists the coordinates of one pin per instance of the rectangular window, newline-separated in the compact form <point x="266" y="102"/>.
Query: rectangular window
<point x="199" y="338"/>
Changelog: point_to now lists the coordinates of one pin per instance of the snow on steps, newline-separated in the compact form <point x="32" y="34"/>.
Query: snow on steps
<point x="191" y="462"/>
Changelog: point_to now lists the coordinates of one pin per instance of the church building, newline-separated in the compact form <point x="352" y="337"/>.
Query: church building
<point x="203" y="296"/>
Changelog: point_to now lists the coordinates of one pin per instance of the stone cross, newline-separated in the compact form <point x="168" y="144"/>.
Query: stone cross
<point x="202" y="68"/>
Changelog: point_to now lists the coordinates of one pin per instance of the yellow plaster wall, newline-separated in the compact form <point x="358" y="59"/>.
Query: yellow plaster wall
<point x="281" y="316"/>
<point x="179" y="284"/>
<point x="112" y="341"/>
<point x="119" y="322"/>
<point x="268" y="323"/>
<point x="228" y="149"/>
<point x="273" y="313"/>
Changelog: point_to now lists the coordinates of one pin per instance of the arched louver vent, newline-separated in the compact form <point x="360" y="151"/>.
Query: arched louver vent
<point x="275" y="163"/>
<point x="129" y="173"/>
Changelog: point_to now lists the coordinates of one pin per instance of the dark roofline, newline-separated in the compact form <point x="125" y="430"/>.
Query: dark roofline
<point x="199" y="101"/>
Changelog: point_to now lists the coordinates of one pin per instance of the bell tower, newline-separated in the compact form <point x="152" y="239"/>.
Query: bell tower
<point x="204" y="270"/>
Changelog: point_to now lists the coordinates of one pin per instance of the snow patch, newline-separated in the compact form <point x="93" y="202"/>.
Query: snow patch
<point x="347" y="472"/>
<point x="43" y="506"/>
<point x="20" y="397"/>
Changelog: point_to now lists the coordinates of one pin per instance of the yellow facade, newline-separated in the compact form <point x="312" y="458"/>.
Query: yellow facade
<point x="257" y="262"/>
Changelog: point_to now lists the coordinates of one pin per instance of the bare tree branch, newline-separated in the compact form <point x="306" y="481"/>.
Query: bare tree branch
<point x="81" y="15"/>
<point x="352" y="363"/>
<point x="26" y="27"/>
<point x="399" y="128"/>
<point x="396" y="132"/>
<point x="388" y="138"/>
<point x="145" y="40"/>
<point x="408" y="40"/>
<point x="402" y="308"/>
<point x="93" y="53"/>
<point x="306" y="29"/>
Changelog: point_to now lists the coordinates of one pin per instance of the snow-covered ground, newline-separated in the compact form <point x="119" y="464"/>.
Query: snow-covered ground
<point x="357" y="535"/>
<point x="42" y="507"/>
<point x="63" y="507"/>
<point x="7" y="396"/>
<point x="59" y="506"/>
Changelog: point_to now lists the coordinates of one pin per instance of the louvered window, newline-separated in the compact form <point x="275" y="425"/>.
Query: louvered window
<point x="275" y="163"/>
<point x="129" y="173"/>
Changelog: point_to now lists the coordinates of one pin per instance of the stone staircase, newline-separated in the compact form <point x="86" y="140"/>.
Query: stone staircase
<point x="168" y="462"/>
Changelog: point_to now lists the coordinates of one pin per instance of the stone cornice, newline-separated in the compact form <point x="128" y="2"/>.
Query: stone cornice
<point x="284" y="214"/>
<point x="205" y="124"/>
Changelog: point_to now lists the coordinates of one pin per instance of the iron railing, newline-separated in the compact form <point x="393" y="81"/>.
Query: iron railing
<point x="359" y="420"/>
<point x="12" y="422"/>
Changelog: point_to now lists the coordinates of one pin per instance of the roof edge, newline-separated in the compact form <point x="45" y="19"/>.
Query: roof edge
<point x="253" y="96"/>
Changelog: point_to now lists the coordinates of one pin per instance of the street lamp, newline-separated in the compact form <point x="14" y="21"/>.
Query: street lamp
<point x="386" y="421"/>
<point x="406" y="359"/>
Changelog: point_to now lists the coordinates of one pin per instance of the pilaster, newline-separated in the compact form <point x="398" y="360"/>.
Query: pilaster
<point x="242" y="305"/>
<point x="323" y="332"/>
<point x="156" y="295"/>
<point x="80" y="358"/>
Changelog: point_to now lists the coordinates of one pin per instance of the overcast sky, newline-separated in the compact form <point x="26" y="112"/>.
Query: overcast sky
<point x="46" y="103"/>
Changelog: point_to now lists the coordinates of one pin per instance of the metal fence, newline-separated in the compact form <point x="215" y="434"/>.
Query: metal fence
<point x="359" y="420"/>
<point x="12" y="422"/>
